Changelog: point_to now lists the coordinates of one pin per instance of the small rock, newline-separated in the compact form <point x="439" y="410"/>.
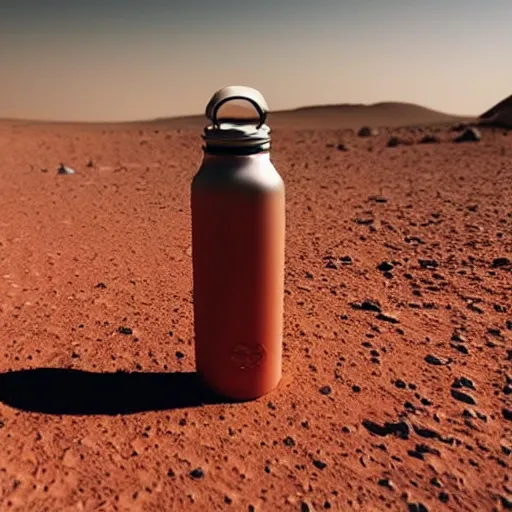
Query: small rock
<point x="366" y="131"/>
<point x="430" y="139"/>
<point x="65" y="170"/>
<point x="463" y="382"/>
<point x="306" y="507"/>
<point x="393" y="142"/>
<point x="501" y="262"/>
<point x="428" y="264"/>
<point x="388" y="318"/>
<point x="378" y="199"/>
<point x="507" y="414"/>
<point x="385" y="266"/>
<point x="437" y="361"/>
<point x="341" y="147"/>
<point x="506" y="503"/>
<point x="436" y="483"/>
<point x="459" y="338"/>
<point x="289" y="441"/>
<point x="468" y="135"/>
<point x="346" y="260"/>
<point x="197" y="474"/>
<point x="400" y="429"/>
<point x="319" y="464"/>
<point x="325" y="390"/>
<point x="331" y="264"/>
<point x="463" y="397"/>
<point x="125" y="330"/>
<point x="89" y="164"/>
<point x="425" y="432"/>
<point x="400" y="384"/>
<point x="444" y="497"/>
<point x="386" y="482"/>
<point x="460" y="348"/>
<point x="417" y="507"/>
<point x="367" y="305"/>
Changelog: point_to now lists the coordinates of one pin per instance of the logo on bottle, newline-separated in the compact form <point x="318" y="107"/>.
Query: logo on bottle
<point x="248" y="356"/>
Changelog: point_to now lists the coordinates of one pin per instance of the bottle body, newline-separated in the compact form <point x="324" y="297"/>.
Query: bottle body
<point x="238" y="251"/>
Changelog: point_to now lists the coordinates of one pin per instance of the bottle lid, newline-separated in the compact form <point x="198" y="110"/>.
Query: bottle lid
<point x="237" y="135"/>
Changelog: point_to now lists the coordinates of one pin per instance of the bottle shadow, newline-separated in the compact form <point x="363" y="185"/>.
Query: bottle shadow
<point x="76" y="392"/>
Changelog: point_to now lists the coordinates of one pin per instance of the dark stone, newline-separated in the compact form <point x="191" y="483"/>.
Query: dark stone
<point x="501" y="262"/>
<point x="125" y="330"/>
<point x="319" y="464"/>
<point x="400" y="384"/>
<point x="393" y="142"/>
<point x="463" y="397"/>
<point x="468" y="135"/>
<point x="197" y="474"/>
<point x="463" y="382"/>
<point x="400" y="429"/>
<point x="436" y="361"/>
<point x="289" y="441"/>
<point x="387" y="318"/>
<point x="507" y="414"/>
<point x="341" y="147"/>
<point x="325" y="390"/>
<point x="430" y="139"/>
<point x="385" y="266"/>
<point x="366" y="131"/>
<point x="444" y="497"/>
<point x="428" y="264"/>
<point x="367" y="305"/>
<point x="417" y="507"/>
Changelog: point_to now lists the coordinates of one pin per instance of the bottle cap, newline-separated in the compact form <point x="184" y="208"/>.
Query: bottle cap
<point x="237" y="135"/>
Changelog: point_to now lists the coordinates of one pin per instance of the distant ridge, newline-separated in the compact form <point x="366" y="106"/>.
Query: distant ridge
<point x="500" y="115"/>
<point x="330" y="116"/>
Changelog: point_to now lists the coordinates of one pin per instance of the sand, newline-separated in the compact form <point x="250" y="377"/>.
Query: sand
<point x="398" y="318"/>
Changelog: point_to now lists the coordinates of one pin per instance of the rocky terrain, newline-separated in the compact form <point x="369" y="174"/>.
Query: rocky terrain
<point x="398" y="318"/>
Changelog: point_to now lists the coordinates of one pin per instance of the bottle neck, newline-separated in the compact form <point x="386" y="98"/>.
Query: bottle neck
<point x="261" y="156"/>
<point x="212" y="149"/>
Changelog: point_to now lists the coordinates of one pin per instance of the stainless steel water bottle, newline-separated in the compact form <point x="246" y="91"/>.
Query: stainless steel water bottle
<point x="238" y="250"/>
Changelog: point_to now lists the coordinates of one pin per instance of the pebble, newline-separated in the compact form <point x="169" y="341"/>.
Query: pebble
<point x="125" y="330"/>
<point x="367" y="305"/>
<point x="428" y="264"/>
<point x="386" y="482"/>
<point x="400" y="384"/>
<point x="325" y="390"/>
<point x="197" y="474"/>
<point x="501" y="262"/>
<point x="463" y="397"/>
<point x="385" y="317"/>
<point x="385" y="266"/>
<point x="444" y="497"/>
<point x="319" y="464"/>
<point x="400" y="429"/>
<point x="507" y="413"/>
<point x="417" y="507"/>
<point x="461" y="382"/>
<point x="289" y="441"/>
<point x="437" y="361"/>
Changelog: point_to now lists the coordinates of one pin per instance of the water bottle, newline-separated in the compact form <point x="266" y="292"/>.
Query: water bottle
<point x="238" y="251"/>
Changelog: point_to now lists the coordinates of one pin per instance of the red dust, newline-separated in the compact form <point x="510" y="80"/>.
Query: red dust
<point x="96" y="283"/>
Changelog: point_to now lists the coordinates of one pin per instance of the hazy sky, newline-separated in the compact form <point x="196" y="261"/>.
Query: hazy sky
<point x="134" y="59"/>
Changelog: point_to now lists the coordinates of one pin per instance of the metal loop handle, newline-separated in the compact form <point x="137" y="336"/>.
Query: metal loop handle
<point x="237" y="92"/>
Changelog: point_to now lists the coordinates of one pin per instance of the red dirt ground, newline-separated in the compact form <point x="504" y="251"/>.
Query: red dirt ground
<point x="96" y="279"/>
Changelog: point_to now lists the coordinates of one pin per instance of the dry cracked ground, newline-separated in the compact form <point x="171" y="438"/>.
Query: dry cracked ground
<point x="397" y="386"/>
